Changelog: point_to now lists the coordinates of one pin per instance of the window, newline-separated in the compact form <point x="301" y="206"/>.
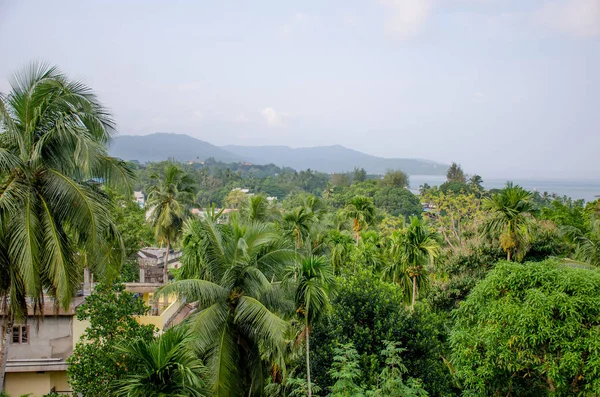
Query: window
<point x="20" y="334"/>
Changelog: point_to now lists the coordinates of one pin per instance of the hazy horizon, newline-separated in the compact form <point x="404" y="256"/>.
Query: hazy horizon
<point x="505" y="88"/>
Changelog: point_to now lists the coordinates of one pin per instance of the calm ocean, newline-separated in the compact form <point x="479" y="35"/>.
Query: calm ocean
<point x="576" y="189"/>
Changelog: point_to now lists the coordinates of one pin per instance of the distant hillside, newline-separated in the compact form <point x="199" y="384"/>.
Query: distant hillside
<point x="158" y="147"/>
<point x="333" y="159"/>
<point x="161" y="146"/>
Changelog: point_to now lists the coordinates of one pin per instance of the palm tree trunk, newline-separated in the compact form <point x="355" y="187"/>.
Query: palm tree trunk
<point x="4" y="354"/>
<point x="298" y="241"/>
<point x="308" y="359"/>
<point x="414" y="293"/>
<point x="166" y="267"/>
<point x="508" y="255"/>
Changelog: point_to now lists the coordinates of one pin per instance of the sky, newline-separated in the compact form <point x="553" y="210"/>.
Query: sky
<point x="506" y="88"/>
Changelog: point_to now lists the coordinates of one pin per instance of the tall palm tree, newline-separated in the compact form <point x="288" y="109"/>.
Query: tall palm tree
<point x="421" y="247"/>
<point x="476" y="184"/>
<point x="410" y="250"/>
<point x="237" y="327"/>
<point x="297" y="223"/>
<point x="53" y="137"/>
<point x="255" y="208"/>
<point x="340" y="246"/>
<point x="370" y="250"/>
<point x="169" y="197"/>
<point x="362" y="212"/>
<point x="397" y="264"/>
<point x="168" y="366"/>
<point x="314" y="283"/>
<point x="587" y="245"/>
<point x="510" y="210"/>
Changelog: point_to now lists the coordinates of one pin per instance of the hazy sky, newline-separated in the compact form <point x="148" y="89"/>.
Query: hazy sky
<point x="508" y="88"/>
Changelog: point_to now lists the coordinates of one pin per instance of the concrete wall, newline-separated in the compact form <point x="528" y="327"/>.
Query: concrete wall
<point x="161" y="320"/>
<point x="53" y="339"/>
<point x="38" y="384"/>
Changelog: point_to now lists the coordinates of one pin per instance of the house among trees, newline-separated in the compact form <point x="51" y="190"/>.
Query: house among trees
<point x="151" y="262"/>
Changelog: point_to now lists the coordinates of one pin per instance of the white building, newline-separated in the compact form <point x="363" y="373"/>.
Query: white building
<point x="139" y="198"/>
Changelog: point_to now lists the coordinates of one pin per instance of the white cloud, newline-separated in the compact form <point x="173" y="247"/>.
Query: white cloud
<point x="577" y="17"/>
<point x="406" y="17"/>
<point x="273" y="117"/>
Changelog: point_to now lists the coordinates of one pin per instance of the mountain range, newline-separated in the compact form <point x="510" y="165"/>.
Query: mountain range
<point x="336" y="158"/>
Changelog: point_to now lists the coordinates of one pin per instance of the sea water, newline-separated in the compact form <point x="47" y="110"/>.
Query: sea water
<point x="586" y="189"/>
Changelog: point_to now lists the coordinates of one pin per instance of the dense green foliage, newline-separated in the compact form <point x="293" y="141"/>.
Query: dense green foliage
<point x="369" y="312"/>
<point x="97" y="364"/>
<point x="530" y="329"/>
<point x="168" y="365"/>
<point x="345" y="284"/>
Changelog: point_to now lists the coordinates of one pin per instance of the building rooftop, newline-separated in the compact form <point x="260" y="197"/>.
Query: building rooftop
<point x="50" y="308"/>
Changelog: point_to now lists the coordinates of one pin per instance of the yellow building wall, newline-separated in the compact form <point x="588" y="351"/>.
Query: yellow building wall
<point x="79" y="328"/>
<point x="60" y="381"/>
<point x="35" y="384"/>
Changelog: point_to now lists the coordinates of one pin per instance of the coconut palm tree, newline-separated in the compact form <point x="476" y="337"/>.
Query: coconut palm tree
<point x="297" y="223"/>
<point x="587" y="245"/>
<point x="510" y="212"/>
<point x="53" y="214"/>
<point x="255" y="208"/>
<point x="169" y="197"/>
<point x="410" y="250"/>
<point x="362" y="212"/>
<point x="314" y="283"/>
<point x="476" y="184"/>
<point x="340" y="246"/>
<point x="237" y="327"/>
<point x="167" y="366"/>
<point x="53" y="137"/>
<point x="421" y="247"/>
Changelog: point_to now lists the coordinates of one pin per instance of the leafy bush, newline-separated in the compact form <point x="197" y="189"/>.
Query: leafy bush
<point x="369" y="312"/>
<point x="530" y="329"/>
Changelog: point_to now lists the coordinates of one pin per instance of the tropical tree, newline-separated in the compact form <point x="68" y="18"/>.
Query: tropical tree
<point x="314" y="283"/>
<point x="396" y="271"/>
<point x="53" y="137"/>
<point x="421" y="247"/>
<point x="476" y="184"/>
<point x="395" y="178"/>
<point x="168" y="365"/>
<point x="96" y="364"/>
<point x="345" y="371"/>
<point x="255" y="208"/>
<point x="391" y="379"/>
<point x="455" y="174"/>
<point x="362" y="212"/>
<point x="235" y="199"/>
<point x="169" y="196"/>
<point x="340" y="245"/>
<point x="410" y="251"/>
<point x="297" y="223"/>
<point x="587" y="245"/>
<point x="529" y="330"/>
<point x="237" y="328"/>
<point x="510" y="217"/>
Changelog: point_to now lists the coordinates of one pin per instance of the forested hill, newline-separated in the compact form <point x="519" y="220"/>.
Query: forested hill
<point x="335" y="158"/>
<point x="157" y="147"/>
<point x="161" y="146"/>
